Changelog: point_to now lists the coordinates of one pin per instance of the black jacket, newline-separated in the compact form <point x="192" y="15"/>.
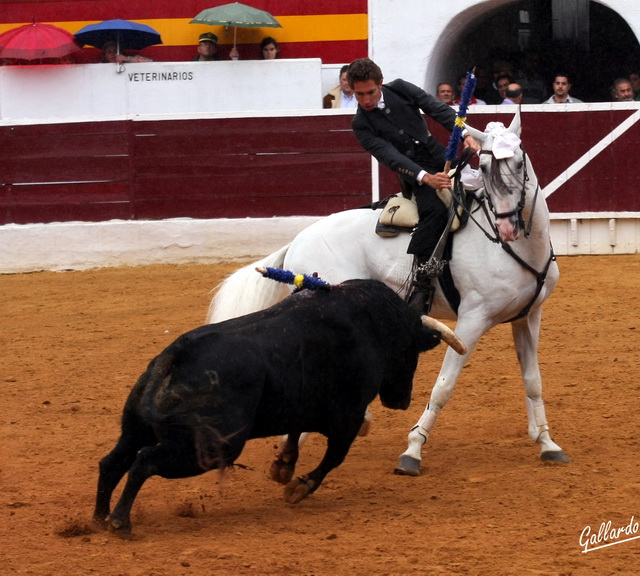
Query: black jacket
<point x="398" y="136"/>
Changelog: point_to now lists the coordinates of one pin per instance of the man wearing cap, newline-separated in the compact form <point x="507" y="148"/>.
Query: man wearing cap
<point x="207" y="48"/>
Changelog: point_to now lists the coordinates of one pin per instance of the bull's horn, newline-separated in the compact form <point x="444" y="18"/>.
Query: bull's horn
<point x="448" y="335"/>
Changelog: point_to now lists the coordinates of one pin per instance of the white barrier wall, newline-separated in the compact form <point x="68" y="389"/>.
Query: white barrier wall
<point x="85" y="245"/>
<point x="98" y="90"/>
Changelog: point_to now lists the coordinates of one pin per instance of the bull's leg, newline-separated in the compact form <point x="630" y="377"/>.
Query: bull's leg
<point x="283" y="467"/>
<point x="115" y="465"/>
<point x="112" y="468"/>
<point x="525" y="336"/>
<point x="409" y="463"/>
<point x="338" y="445"/>
<point x="175" y="461"/>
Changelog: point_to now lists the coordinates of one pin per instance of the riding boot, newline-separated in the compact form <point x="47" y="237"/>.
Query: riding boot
<point x="421" y="297"/>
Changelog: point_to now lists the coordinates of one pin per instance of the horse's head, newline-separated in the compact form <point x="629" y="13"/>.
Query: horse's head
<point x="504" y="171"/>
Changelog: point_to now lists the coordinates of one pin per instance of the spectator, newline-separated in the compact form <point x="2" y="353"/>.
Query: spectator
<point x="445" y="93"/>
<point x="561" y="87"/>
<point x="462" y="80"/>
<point x="269" y="48"/>
<point x="502" y="83"/>
<point x="110" y="54"/>
<point x="342" y="95"/>
<point x="634" y="78"/>
<point x="513" y="94"/>
<point x="621" y="90"/>
<point x="207" y="48"/>
<point x="502" y="68"/>
<point x="389" y="124"/>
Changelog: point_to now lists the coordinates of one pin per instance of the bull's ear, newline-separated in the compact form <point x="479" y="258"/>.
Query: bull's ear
<point x="428" y="339"/>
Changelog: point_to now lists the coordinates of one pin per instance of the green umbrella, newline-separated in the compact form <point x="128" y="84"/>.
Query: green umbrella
<point x="236" y="15"/>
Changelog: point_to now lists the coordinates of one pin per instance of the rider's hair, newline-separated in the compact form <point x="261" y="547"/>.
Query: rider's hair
<point x="362" y="70"/>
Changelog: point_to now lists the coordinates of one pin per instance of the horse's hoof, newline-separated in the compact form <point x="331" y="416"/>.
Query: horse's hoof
<point x="555" y="456"/>
<point x="408" y="466"/>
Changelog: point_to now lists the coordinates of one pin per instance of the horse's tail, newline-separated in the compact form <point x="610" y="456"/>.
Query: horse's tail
<point x="247" y="291"/>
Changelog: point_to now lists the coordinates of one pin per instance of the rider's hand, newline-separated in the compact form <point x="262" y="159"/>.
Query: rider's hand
<point x="470" y="142"/>
<point x="437" y="181"/>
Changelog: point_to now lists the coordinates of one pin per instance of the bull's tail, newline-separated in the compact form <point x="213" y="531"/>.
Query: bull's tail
<point x="175" y="408"/>
<point x="245" y="291"/>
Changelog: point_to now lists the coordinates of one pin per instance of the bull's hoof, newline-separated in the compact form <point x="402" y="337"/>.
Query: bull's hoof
<point x="408" y="466"/>
<point x="297" y="490"/>
<point x="120" y="528"/>
<point x="100" y="522"/>
<point x="557" y="456"/>
<point x="281" y="472"/>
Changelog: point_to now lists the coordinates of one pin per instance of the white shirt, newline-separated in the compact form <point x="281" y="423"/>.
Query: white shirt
<point x="348" y="101"/>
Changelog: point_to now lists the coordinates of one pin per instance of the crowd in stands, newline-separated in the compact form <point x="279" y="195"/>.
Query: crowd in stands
<point x="503" y="84"/>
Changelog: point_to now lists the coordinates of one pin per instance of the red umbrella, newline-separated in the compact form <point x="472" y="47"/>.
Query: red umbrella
<point x="36" y="41"/>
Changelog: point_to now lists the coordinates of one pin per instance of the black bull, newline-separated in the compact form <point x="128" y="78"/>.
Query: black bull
<point x="312" y="363"/>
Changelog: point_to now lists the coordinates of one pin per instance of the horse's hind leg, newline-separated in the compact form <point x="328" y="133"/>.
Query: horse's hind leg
<point x="525" y="336"/>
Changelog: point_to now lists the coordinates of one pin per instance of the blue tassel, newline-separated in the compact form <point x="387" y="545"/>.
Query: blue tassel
<point x="461" y="117"/>
<point x="300" y="281"/>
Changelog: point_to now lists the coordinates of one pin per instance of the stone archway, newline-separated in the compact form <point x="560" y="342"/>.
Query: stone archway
<point x="595" y="47"/>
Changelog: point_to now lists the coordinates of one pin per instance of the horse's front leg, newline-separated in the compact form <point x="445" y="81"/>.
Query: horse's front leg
<point x="409" y="463"/>
<point x="525" y="336"/>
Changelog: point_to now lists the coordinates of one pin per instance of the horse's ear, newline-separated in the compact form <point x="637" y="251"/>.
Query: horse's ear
<point x="514" y="127"/>
<point x="477" y="135"/>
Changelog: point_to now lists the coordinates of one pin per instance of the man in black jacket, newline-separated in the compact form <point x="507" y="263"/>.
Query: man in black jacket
<point x="389" y="124"/>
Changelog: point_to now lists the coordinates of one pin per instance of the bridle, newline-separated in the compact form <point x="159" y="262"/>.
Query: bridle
<point x="484" y="200"/>
<point x="517" y="211"/>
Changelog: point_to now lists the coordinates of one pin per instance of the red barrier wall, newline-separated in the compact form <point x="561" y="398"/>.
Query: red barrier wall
<point x="276" y="166"/>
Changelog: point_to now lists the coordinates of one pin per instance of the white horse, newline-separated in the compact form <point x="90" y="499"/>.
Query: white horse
<point x="502" y="264"/>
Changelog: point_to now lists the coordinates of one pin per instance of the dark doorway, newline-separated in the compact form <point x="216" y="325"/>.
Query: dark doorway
<point x="589" y="41"/>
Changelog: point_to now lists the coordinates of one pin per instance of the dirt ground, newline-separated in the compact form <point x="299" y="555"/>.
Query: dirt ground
<point x="73" y="343"/>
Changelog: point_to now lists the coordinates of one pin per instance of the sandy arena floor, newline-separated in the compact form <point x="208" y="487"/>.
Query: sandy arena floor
<point x="74" y="343"/>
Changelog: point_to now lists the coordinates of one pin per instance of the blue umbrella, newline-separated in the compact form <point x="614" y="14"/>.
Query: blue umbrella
<point x="126" y="34"/>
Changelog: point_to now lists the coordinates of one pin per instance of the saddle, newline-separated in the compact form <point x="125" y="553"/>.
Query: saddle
<point x="400" y="214"/>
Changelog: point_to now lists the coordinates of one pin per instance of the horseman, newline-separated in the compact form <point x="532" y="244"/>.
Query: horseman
<point x="389" y="125"/>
